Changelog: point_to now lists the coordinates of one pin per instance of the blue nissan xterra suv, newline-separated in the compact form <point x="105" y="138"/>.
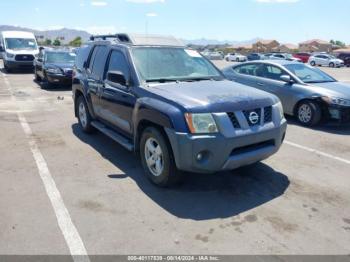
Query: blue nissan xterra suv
<point x="155" y="96"/>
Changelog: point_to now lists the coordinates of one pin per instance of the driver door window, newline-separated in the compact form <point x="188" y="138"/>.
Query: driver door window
<point x="118" y="62"/>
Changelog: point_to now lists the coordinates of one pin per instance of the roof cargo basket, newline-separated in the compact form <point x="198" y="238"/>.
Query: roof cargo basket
<point x="123" y="38"/>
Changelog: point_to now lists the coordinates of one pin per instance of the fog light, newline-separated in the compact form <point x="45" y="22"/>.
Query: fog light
<point x="199" y="156"/>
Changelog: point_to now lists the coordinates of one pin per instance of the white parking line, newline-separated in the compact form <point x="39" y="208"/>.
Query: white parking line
<point x="318" y="152"/>
<point x="69" y="231"/>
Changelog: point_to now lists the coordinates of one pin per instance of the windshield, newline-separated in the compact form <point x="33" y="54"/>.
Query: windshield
<point x="288" y="56"/>
<point x="309" y="74"/>
<point x="172" y="64"/>
<point x="60" y="57"/>
<point x="20" y="43"/>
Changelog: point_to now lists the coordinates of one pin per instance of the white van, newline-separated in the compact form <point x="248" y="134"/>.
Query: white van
<point x="18" y="49"/>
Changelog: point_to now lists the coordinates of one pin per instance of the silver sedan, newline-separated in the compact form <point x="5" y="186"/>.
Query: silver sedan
<point x="305" y="92"/>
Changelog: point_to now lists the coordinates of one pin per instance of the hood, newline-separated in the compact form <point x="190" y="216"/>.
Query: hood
<point x="337" y="60"/>
<point x="59" y="65"/>
<point x="23" y="51"/>
<point x="213" y="96"/>
<point x="335" y="89"/>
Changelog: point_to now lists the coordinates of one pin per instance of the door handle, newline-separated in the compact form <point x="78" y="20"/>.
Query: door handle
<point x="260" y="84"/>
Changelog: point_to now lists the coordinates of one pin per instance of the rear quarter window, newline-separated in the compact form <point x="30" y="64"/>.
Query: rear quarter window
<point x="82" y="57"/>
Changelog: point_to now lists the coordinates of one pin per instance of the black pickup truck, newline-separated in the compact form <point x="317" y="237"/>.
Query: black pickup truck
<point x="155" y="96"/>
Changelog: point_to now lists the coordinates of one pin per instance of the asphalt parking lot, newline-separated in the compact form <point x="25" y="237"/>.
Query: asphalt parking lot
<point x="64" y="192"/>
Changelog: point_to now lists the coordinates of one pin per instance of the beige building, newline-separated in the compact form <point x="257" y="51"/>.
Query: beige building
<point x="315" y="45"/>
<point x="243" y="49"/>
<point x="266" y="46"/>
<point x="287" y="48"/>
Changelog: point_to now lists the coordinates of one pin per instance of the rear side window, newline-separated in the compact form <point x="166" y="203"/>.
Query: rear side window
<point x="83" y="55"/>
<point x="247" y="69"/>
<point x="98" y="61"/>
<point x="118" y="62"/>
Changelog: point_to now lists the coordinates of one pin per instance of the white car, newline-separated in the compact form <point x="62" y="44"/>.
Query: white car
<point x="212" y="55"/>
<point x="235" y="57"/>
<point x="325" y="60"/>
<point x="282" y="56"/>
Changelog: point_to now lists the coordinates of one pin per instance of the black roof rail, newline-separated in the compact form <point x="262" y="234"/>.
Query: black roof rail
<point x="123" y="38"/>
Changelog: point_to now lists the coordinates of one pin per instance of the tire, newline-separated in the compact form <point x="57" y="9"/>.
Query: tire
<point x="37" y="77"/>
<point x="237" y="60"/>
<point x="331" y="64"/>
<point x="228" y="60"/>
<point x="7" y="69"/>
<point x="45" y="83"/>
<point x="154" y="146"/>
<point x="84" y="116"/>
<point x="309" y="113"/>
<point x="313" y="63"/>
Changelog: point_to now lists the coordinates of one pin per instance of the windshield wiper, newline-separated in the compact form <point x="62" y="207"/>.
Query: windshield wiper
<point x="161" y="80"/>
<point x="319" y="82"/>
<point x="201" y="79"/>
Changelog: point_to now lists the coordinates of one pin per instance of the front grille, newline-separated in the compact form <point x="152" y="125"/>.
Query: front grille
<point x="253" y="119"/>
<point x="268" y="114"/>
<point x="24" y="58"/>
<point x="234" y="120"/>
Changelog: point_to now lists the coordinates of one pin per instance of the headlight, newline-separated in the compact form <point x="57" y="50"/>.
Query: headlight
<point x="280" y="109"/>
<point x="54" y="70"/>
<point x="336" y="101"/>
<point x="201" y="123"/>
<point x="9" y="55"/>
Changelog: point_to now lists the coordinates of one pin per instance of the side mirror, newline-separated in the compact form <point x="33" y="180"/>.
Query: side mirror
<point x="117" y="77"/>
<point x="1" y="49"/>
<point x="286" y="78"/>
<point x="40" y="60"/>
<point x="85" y="65"/>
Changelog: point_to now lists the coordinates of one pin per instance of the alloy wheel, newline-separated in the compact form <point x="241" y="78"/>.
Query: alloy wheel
<point x="154" y="157"/>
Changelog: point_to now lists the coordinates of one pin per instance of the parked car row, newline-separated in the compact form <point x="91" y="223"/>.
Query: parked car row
<point x="314" y="59"/>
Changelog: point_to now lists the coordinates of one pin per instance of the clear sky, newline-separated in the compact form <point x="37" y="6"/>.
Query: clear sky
<point x="289" y="21"/>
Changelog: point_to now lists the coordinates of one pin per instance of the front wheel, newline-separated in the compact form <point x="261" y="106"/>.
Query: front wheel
<point x="313" y="63"/>
<point x="331" y="65"/>
<point x="157" y="159"/>
<point x="7" y="69"/>
<point x="237" y="60"/>
<point x="309" y="113"/>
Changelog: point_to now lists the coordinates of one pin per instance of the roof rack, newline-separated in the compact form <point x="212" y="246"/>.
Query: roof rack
<point x="119" y="37"/>
<point x="140" y="40"/>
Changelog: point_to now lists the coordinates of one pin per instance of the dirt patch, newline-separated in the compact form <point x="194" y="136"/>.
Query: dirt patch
<point x="281" y="226"/>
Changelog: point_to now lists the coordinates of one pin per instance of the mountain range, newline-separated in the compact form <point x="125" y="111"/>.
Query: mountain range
<point x="66" y="35"/>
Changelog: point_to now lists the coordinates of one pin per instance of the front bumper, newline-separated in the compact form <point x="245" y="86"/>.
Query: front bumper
<point x="19" y="64"/>
<point x="59" y="79"/>
<point x="222" y="153"/>
<point x="340" y="114"/>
